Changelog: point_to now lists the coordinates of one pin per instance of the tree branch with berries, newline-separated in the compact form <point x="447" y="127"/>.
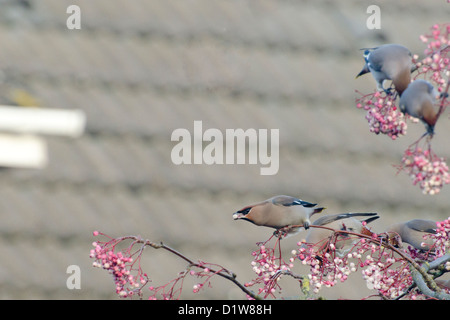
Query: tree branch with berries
<point x="391" y="270"/>
<point x="427" y="170"/>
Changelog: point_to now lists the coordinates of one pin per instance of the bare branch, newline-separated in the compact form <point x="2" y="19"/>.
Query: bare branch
<point x="224" y="273"/>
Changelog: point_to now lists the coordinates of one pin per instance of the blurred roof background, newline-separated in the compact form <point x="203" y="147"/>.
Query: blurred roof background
<point x="143" y="68"/>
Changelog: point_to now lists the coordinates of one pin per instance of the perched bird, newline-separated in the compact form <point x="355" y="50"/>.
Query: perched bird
<point x="418" y="100"/>
<point x="412" y="232"/>
<point x="280" y="212"/>
<point x="443" y="284"/>
<point x="343" y="222"/>
<point x="389" y="62"/>
<point x="341" y="217"/>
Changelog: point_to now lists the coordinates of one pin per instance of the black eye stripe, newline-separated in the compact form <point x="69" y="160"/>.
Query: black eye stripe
<point x="245" y="211"/>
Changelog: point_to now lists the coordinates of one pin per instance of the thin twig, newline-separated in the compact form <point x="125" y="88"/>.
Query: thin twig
<point x="224" y="274"/>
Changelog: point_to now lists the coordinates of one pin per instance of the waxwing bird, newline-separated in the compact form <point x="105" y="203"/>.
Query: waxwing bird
<point x="418" y="100"/>
<point x="412" y="232"/>
<point x="343" y="222"/>
<point x="279" y="212"/>
<point x="389" y="62"/>
<point x="331" y="218"/>
<point x="444" y="284"/>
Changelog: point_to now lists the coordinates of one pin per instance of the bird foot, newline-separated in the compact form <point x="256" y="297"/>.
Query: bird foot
<point x="286" y="231"/>
<point x="388" y="91"/>
<point x="282" y="232"/>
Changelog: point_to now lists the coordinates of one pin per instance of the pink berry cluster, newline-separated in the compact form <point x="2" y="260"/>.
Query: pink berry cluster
<point x="327" y="267"/>
<point x="335" y="259"/>
<point x="204" y="272"/>
<point x="435" y="246"/>
<point x="120" y="266"/>
<point x="440" y="239"/>
<point x="390" y="277"/>
<point x="329" y="263"/>
<point x="129" y="278"/>
<point x="426" y="169"/>
<point x="383" y="115"/>
<point x="268" y="268"/>
<point x="437" y="60"/>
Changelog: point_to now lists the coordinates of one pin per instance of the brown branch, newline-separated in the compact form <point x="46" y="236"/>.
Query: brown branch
<point x="419" y="273"/>
<point x="370" y="238"/>
<point x="223" y="273"/>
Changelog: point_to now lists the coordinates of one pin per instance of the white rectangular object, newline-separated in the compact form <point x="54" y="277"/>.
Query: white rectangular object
<point x="42" y="121"/>
<point x="22" y="151"/>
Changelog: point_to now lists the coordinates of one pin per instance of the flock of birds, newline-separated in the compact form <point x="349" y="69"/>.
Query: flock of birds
<point x="288" y="215"/>
<point x="417" y="98"/>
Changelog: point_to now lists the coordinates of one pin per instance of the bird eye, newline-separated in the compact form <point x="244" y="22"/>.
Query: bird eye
<point x="245" y="211"/>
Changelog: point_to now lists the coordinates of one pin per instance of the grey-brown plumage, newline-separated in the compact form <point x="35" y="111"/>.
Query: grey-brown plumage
<point x="419" y="101"/>
<point x="344" y="222"/>
<point x="444" y="284"/>
<point x="412" y="232"/>
<point x="389" y="62"/>
<point x="279" y="212"/>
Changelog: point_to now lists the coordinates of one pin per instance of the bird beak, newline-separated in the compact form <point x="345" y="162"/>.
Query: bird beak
<point x="363" y="71"/>
<point x="236" y="216"/>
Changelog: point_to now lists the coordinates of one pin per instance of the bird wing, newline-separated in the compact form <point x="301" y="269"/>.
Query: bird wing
<point x="428" y="226"/>
<point x="288" y="201"/>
